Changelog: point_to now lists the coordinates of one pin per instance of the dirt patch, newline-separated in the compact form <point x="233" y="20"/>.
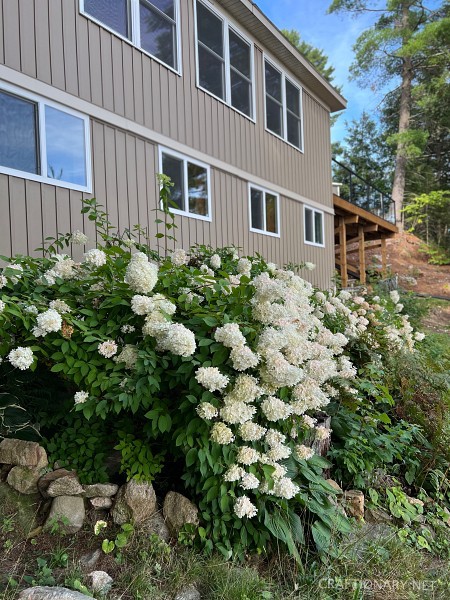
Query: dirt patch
<point x="438" y="319"/>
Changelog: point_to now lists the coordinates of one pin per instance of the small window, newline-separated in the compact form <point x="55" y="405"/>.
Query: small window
<point x="151" y="25"/>
<point x="264" y="211"/>
<point x="43" y="141"/>
<point x="191" y="185"/>
<point x="225" y="60"/>
<point x="283" y="106"/>
<point x="314" y="226"/>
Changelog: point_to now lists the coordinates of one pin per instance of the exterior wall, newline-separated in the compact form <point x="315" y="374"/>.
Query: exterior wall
<point x="52" y="43"/>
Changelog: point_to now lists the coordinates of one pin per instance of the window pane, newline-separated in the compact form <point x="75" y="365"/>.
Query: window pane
<point x="274" y="115"/>
<point x="273" y="82"/>
<point x="292" y="98"/>
<point x="165" y="6"/>
<point x="309" y="229"/>
<point x="211" y="71"/>
<point x="294" y="133"/>
<point x="318" y="228"/>
<point x="198" y="190"/>
<point x="241" y="94"/>
<point x="173" y="168"/>
<point x="157" y="35"/>
<point x="18" y="134"/>
<point x="66" y="146"/>
<point x="256" y="209"/>
<point x="240" y="57"/>
<point x="113" y="13"/>
<point x="271" y="214"/>
<point x="210" y="29"/>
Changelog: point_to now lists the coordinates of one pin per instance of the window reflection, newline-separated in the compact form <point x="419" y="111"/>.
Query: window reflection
<point x="257" y="209"/>
<point x="18" y="134"/>
<point x="173" y="168"/>
<point x="158" y="32"/>
<point x="113" y="13"/>
<point x="198" y="190"/>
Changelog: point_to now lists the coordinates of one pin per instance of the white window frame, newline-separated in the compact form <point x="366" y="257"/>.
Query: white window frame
<point x="314" y="211"/>
<point x="252" y="186"/>
<point x="284" y="77"/>
<point x="135" y="39"/>
<point x="227" y="25"/>
<point x="41" y="142"/>
<point x="187" y="159"/>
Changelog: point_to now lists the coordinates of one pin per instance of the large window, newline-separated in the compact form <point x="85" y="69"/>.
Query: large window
<point x="314" y="226"/>
<point x="225" y="60"/>
<point x="264" y="211"/>
<point x="191" y="184"/>
<point x="151" y="25"/>
<point x="283" y="105"/>
<point x="43" y="141"/>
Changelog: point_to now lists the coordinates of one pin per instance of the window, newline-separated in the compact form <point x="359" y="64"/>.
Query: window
<point x="43" y="141"/>
<point x="191" y="189"/>
<point x="314" y="226"/>
<point x="264" y="211"/>
<point x="283" y="106"/>
<point x="151" y="25"/>
<point x="224" y="60"/>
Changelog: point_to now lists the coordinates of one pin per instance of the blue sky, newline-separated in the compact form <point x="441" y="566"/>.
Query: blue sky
<point x="335" y="34"/>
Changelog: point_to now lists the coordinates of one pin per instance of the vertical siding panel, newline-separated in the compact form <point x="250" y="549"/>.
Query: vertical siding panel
<point x="147" y="93"/>
<point x="18" y="216"/>
<point x="173" y="112"/>
<point x="117" y="68"/>
<point x="128" y="80"/>
<point x="131" y="180"/>
<point x="151" y="164"/>
<point x="107" y="70"/>
<point x="111" y="175"/>
<point x="84" y="73"/>
<point x="156" y="97"/>
<point x="11" y="34"/>
<point x="138" y="86"/>
<point x="122" y="177"/>
<point x="69" y="17"/>
<point x="165" y="107"/>
<point x="76" y="220"/>
<point x="56" y="45"/>
<point x="27" y="39"/>
<point x="34" y="215"/>
<point x="63" y="219"/>
<point x="5" y="221"/>
<point x="95" y="63"/>
<point x="141" y="185"/>
<point x="49" y="227"/>
<point x="2" y="36"/>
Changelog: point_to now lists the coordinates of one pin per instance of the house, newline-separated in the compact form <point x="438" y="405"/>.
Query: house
<point x="97" y="96"/>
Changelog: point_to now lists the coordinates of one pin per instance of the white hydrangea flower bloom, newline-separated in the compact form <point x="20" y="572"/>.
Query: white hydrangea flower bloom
<point x="129" y="356"/>
<point x="207" y="411"/>
<point x="275" y="409"/>
<point x="95" y="257"/>
<point x="244" y="508"/>
<point x="178" y="339"/>
<point x="303" y="452"/>
<point x="246" y="389"/>
<point x="230" y="335"/>
<point x="285" y="488"/>
<point x="108" y="349"/>
<point x="60" y="306"/>
<point x="221" y="434"/>
<point x="141" y="275"/>
<point x="211" y="378"/>
<point x="395" y="296"/>
<point x="251" y="432"/>
<point x="419" y="336"/>
<point x="243" y="358"/>
<point x="179" y="257"/>
<point x="309" y="266"/>
<point x="249" y="482"/>
<point x="47" y="322"/>
<point x="308" y="421"/>
<point x="127" y="329"/>
<point x="234" y="473"/>
<point x="78" y="238"/>
<point x="3" y="281"/>
<point x="215" y="261"/>
<point x="81" y="397"/>
<point x="21" y="358"/>
<point x="235" y="412"/>
<point x="247" y="455"/>
<point x="2" y="306"/>
<point x="278" y="453"/>
<point x="244" y="266"/>
<point x="322" y="433"/>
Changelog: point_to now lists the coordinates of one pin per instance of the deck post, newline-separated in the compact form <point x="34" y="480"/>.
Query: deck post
<point x="383" y="257"/>
<point x="362" y="254"/>
<point x="343" y="250"/>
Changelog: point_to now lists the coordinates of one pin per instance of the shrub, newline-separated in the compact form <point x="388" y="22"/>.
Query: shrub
<point x="221" y="361"/>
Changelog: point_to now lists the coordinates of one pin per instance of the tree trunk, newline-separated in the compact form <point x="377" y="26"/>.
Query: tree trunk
<point x="398" y="188"/>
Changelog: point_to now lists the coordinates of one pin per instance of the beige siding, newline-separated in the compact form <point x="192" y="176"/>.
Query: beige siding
<point x="52" y="42"/>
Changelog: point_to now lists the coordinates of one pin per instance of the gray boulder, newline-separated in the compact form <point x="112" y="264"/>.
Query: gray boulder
<point x="48" y="478"/>
<point x="69" y="512"/>
<point x="101" y="582"/>
<point x="90" y="559"/>
<point x="51" y="593"/>
<point x="135" y="502"/>
<point x="65" y="486"/>
<point x="189" y="592"/>
<point x="101" y="490"/>
<point x="157" y="525"/>
<point x="24" y="480"/>
<point x="101" y="503"/>
<point x="179" y="511"/>
<point x="23" y="454"/>
<point x="25" y="507"/>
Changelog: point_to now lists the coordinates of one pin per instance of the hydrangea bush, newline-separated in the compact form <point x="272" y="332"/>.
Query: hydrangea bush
<point x="225" y="363"/>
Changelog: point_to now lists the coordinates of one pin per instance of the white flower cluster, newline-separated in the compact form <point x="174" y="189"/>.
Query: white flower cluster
<point x="2" y="306"/>
<point x="78" y="238"/>
<point x="3" y="281"/>
<point x="243" y="507"/>
<point x="49" y="321"/>
<point x="129" y="356"/>
<point x="215" y="261"/>
<point x="60" y="306"/>
<point x="211" y="378"/>
<point x="64" y="268"/>
<point x="81" y="397"/>
<point x="108" y="349"/>
<point x="207" y="411"/>
<point x="179" y="257"/>
<point x="95" y="258"/>
<point x="141" y="275"/>
<point x="21" y="358"/>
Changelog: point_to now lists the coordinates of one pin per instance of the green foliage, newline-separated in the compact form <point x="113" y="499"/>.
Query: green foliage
<point x="138" y="461"/>
<point x="42" y="576"/>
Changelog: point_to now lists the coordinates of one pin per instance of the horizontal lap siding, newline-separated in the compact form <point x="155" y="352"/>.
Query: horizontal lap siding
<point x="53" y="42"/>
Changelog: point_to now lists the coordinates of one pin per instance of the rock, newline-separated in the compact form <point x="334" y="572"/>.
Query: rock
<point x="69" y="511"/>
<point x="157" y="525"/>
<point x="65" y="486"/>
<point x="415" y="501"/>
<point x="335" y="486"/>
<point x="48" y="478"/>
<point x="189" y="592"/>
<point x="368" y="535"/>
<point x="100" y="490"/>
<point x="101" y="503"/>
<point x="179" y="511"/>
<point x="101" y="582"/>
<point x="90" y="559"/>
<point x="24" y="480"/>
<point x="51" y="593"/>
<point x="354" y="503"/>
<point x="377" y="515"/>
<point x="23" y="454"/>
<point x="135" y="502"/>
<point x="26" y="508"/>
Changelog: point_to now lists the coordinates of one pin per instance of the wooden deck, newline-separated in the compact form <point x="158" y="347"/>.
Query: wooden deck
<point x="357" y="230"/>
